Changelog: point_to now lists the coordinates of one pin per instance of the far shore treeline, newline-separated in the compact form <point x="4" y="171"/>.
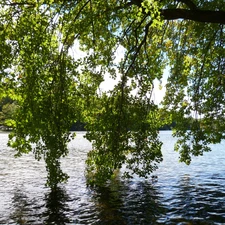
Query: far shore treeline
<point x="8" y="107"/>
<point x="79" y="126"/>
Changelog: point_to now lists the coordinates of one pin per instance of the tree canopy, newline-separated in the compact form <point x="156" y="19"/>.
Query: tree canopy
<point x="131" y="40"/>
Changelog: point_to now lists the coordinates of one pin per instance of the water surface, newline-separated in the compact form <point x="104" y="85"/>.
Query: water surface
<point x="180" y="194"/>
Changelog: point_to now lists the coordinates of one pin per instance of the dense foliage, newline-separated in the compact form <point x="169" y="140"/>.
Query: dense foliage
<point x="132" y="41"/>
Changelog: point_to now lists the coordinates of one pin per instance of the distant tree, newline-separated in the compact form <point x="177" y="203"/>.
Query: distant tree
<point x="7" y="112"/>
<point x="4" y="101"/>
<point x="133" y="41"/>
<point x="78" y="126"/>
<point x="7" y="115"/>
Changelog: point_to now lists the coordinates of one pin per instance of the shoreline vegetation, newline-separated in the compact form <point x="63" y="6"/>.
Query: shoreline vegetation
<point x="79" y="126"/>
<point x="7" y="114"/>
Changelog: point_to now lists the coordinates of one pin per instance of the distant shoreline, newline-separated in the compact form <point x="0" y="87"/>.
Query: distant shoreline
<point x="5" y="129"/>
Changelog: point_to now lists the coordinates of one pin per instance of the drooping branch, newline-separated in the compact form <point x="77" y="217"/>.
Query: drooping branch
<point x="138" y="49"/>
<point x="207" y="16"/>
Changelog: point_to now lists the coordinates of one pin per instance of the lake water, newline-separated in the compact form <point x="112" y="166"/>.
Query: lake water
<point x="180" y="194"/>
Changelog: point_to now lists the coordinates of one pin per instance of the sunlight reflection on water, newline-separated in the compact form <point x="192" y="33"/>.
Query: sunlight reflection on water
<point x="179" y="194"/>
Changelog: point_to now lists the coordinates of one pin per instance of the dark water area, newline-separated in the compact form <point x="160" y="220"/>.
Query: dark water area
<point x="177" y="194"/>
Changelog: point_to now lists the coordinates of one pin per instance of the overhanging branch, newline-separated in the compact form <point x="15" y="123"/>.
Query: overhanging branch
<point x="193" y="13"/>
<point x="206" y="16"/>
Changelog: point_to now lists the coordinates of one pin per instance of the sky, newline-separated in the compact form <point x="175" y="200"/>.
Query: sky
<point x="109" y="82"/>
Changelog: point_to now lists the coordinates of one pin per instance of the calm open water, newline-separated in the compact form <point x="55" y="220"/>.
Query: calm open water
<point x="181" y="194"/>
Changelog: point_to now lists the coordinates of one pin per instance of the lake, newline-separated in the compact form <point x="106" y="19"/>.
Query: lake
<point x="180" y="194"/>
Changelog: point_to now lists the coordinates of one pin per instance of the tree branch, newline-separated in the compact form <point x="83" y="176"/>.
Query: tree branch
<point x="206" y="16"/>
<point x="139" y="47"/>
<point x="193" y="13"/>
<point x="20" y="4"/>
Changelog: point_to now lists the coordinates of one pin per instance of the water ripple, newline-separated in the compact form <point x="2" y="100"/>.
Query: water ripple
<point x="178" y="195"/>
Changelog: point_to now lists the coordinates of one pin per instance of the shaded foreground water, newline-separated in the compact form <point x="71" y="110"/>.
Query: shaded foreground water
<point x="180" y="194"/>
